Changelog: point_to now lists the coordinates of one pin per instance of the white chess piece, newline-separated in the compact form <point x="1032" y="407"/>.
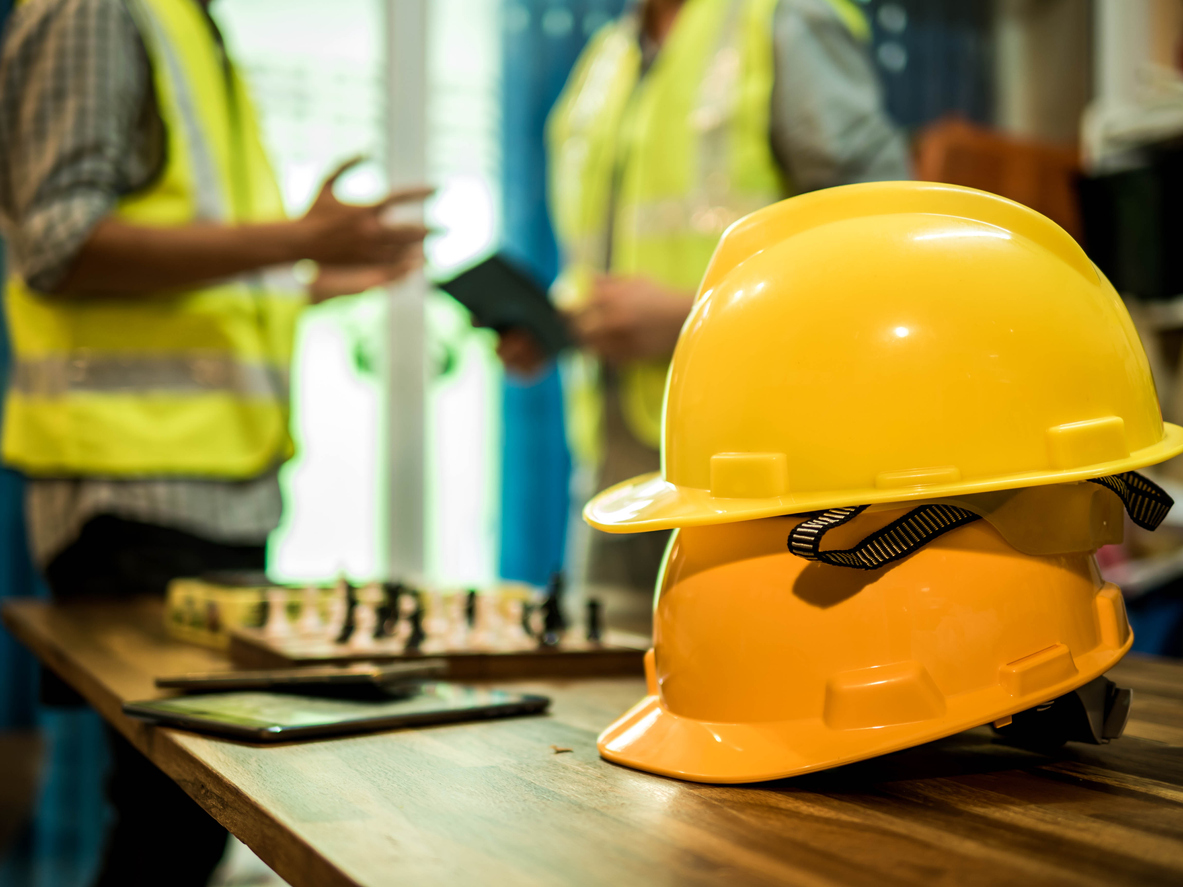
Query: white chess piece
<point x="513" y="635"/>
<point x="365" y="616"/>
<point x="537" y="620"/>
<point x="435" y="622"/>
<point x="406" y="609"/>
<point x="484" y="629"/>
<point x="457" y="634"/>
<point x="277" y="614"/>
<point x="309" y="624"/>
<point x="338" y="612"/>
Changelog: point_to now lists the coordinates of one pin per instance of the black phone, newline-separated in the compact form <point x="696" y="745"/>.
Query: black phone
<point x="502" y="296"/>
<point x="275" y="717"/>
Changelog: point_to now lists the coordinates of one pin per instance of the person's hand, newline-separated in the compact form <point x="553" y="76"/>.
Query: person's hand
<point x="348" y="234"/>
<point x="346" y="280"/>
<point x="630" y="318"/>
<point x="520" y="353"/>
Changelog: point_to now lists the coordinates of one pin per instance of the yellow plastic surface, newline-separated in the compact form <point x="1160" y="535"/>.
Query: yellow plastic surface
<point x="766" y="665"/>
<point x="888" y="342"/>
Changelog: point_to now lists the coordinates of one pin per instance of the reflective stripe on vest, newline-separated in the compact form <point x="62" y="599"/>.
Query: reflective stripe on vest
<point x="686" y="151"/>
<point x="192" y="383"/>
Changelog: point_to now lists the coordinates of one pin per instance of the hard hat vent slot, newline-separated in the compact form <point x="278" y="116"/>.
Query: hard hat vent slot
<point x="749" y="475"/>
<point x="1094" y="442"/>
<point x="1039" y="671"/>
<point x="881" y="696"/>
<point x="1112" y="621"/>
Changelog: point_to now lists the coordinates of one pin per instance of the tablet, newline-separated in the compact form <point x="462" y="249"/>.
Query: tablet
<point x="502" y="296"/>
<point x="276" y="717"/>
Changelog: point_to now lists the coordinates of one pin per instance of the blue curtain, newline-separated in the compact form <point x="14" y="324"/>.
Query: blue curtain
<point x="541" y="41"/>
<point x="934" y="58"/>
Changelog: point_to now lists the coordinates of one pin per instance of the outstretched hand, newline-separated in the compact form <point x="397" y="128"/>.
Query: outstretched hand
<point x="338" y="233"/>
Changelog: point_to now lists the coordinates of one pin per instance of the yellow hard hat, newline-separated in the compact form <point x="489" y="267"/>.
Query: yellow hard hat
<point x="893" y="341"/>
<point x="768" y="665"/>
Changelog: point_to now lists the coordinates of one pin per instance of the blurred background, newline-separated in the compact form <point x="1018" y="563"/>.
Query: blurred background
<point x="1074" y="107"/>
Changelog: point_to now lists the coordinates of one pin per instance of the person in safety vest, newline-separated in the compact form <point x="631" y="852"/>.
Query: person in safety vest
<point x="679" y="118"/>
<point x="151" y="309"/>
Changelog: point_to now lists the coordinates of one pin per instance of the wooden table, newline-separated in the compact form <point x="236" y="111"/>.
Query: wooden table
<point x="492" y="803"/>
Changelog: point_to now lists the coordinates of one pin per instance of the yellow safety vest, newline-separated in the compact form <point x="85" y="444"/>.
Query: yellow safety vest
<point x="190" y="383"/>
<point x="646" y="173"/>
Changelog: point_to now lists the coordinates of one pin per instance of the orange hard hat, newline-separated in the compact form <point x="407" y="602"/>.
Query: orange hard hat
<point x="767" y="665"/>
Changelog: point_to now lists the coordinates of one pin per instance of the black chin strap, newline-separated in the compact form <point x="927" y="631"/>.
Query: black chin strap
<point x="1145" y="502"/>
<point x="897" y="540"/>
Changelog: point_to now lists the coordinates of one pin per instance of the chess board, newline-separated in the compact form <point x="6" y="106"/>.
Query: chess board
<point x="618" y="653"/>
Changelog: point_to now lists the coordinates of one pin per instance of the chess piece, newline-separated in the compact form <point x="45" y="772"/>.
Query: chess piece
<point x="554" y="624"/>
<point x="407" y="604"/>
<point x="365" y="617"/>
<point x="483" y="621"/>
<point x="457" y="622"/>
<point x="513" y="630"/>
<point x="435" y="621"/>
<point x="338" y="611"/>
<point x="595" y="627"/>
<point x="277" y="625"/>
<point x="388" y="611"/>
<point x="309" y="624"/>
<point x="348" y="592"/>
<point x="417" y="635"/>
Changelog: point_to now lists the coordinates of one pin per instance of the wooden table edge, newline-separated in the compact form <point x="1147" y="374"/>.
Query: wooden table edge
<point x="292" y="859"/>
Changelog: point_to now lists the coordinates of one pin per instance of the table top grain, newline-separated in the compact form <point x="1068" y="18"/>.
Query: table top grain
<point x="492" y="803"/>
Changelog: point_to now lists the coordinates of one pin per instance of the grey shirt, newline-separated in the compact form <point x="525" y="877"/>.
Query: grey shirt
<point x="79" y="129"/>
<point x="827" y="122"/>
<point x="828" y="125"/>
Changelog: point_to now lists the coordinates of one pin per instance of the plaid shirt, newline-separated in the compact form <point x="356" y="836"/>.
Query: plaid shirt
<point x="79" y="129"/>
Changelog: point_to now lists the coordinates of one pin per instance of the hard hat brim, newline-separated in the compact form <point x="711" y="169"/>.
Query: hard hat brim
<point x="649" y="502"/>
<point x="650" y="737"/>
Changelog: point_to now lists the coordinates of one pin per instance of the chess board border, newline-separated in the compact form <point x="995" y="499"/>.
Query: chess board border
<point x="620" y="654"/>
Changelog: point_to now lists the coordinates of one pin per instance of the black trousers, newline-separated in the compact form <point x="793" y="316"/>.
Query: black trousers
<point x="160" y="835"/>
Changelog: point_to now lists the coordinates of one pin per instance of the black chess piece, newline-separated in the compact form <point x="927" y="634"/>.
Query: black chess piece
<point x="470" y="608"/>
<point x="418" y="635"/>
<point x="388" y="612"/>
<point x="350" y="607"/>
<point x="595" y="619"/>
<point x="554" y="624"/>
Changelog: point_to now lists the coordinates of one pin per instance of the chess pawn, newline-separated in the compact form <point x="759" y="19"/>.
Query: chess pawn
<point x="365" y="617"/>
<point x="484" y="615"/>
<point x="595" y="621"/>
<point x="309" y="624"/>
<point x="513" y="630"/>
<point x="555" y="624"/>
<point x="417" y="635"/>
<point x="435" y="622"/>
<point x="338" y="612"/>
<point x="537" y="622"/>
<point x="407" y="605"/>
<point x="277" y="625"/>
<point x="457" y="622"/>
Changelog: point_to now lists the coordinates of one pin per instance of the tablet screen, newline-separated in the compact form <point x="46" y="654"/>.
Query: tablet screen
<point x="279" y="716"/>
